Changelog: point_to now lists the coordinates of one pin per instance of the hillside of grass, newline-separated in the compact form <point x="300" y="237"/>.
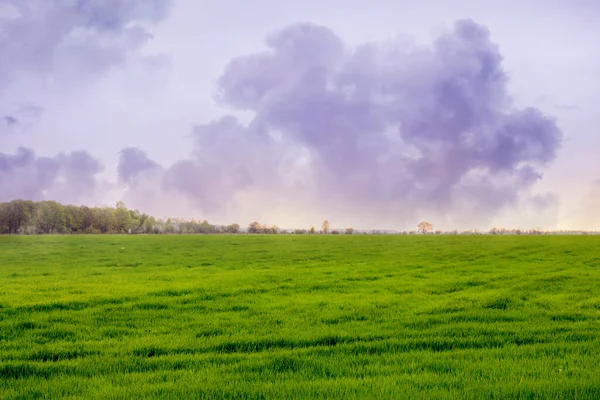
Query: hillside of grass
<point x="289" y="316"/>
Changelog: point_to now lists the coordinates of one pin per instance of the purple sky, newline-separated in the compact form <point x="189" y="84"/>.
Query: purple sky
<point x="374" y="115"/>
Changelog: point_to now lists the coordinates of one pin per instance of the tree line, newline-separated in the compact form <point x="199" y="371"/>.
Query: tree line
<point x="27" y="217"/>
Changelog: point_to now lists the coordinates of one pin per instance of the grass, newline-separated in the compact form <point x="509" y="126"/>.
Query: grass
<point x="122" y="317"/>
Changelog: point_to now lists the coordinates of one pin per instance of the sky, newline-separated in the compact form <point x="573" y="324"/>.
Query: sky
<point x="375" y="115"/>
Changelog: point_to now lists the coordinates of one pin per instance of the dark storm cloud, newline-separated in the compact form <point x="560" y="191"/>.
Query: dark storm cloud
<point x="391" y="123"/>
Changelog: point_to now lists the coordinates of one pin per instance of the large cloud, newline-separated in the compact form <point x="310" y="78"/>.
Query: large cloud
<point x="379" y="125"/>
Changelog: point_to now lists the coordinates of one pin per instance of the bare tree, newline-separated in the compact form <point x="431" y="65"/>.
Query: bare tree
<point x="425" y="227"/>
<point x="325" y="227"/>
<point x="255" y="227"/>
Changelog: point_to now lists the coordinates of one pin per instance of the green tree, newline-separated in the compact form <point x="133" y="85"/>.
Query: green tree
<point x="88" y="217"/>
<point x="105" y="222"/>
<point x="122" y="218"/>
<point x="51" y="217"/>
<point x="19" y="214"/>
<point x="73" y="219"/>
<point x="4" y="218"/>
<point x="233" y="228"/>
<point x="205" y="227"/>
<point x="149" y="224"/>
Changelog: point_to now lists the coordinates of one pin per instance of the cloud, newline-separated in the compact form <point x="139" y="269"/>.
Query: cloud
<point x="9" y="120"/>
<point x="385" y="125"/>
<point x="20" y="118"/>
<point x="379" y="129"/>
<point x="132" y="163"/>
<point x="48" y="47"/>
<point x="62" y="38"/>
<point x="68" y="177"/>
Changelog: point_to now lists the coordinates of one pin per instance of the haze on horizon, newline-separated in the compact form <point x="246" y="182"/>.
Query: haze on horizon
<point x="468" y="115"/>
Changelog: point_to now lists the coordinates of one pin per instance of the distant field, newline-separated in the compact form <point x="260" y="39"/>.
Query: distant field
<point x="386" y="317"/>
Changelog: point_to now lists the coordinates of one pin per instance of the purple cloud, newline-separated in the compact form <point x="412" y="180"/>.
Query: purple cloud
<point x="66" y="177"/>
<point x="132" y="163"/>
<point x="431" y="127"/>
<point x="66" y="43"/>
<point x="63" y="44"/>
<point x="20" y="118"/>
<point x="10" y="120"/>
<point x="369" y="127"/>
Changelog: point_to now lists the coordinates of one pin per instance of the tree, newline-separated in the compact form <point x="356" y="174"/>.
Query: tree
<point x="50" y="217"/>
<point x="206" y="228"/>
<point x="137" y="221"/>
<point x="106" y="221"/>
<point x="169" y="227"/>
<point x="19" y="214"/>
<point x="349" y="231"/>
<point x="325" y="227"/>
<point x="233" y="228"/>
<point x="4" y="212"/>
<point x="73" y="219"/>
<point x="26" y="217"/>
<point x="122" y="218"/>
<point x="312" y="230"/>
<point x="254" y="227"/>
<point x="149" y="224"/>
<point x="87" y="218"/>
<point x="425" y="227"/>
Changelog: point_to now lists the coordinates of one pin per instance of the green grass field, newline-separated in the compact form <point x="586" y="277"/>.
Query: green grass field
<point x="299" y="316"/>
